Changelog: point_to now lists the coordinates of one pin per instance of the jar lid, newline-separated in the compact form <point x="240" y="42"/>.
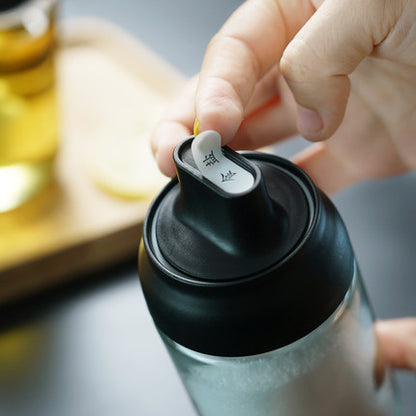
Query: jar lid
<point x="241" y="273"/>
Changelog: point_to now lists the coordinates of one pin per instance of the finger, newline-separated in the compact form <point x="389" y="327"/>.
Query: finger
<point x="338" y="162"/>
<point x="317" y="62"/>
<point x="174" y="127"/>
<point x="398" y="342"/>
<point x="360" y="149"/>
<point x="271" y="104"/>
<point x="325" y="168"/>
<point x="171" y="133"/>
<point x="270" y="122"/>
<point x="266" y="89"/>
<point x="244" y="50"/>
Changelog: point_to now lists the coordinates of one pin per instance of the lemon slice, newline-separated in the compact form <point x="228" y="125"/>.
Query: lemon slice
<point x="114" y="116"/>
<point x="122" y="163"/>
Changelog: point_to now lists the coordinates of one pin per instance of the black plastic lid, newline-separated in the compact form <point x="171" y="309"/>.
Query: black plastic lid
<point x="241" y="274"/>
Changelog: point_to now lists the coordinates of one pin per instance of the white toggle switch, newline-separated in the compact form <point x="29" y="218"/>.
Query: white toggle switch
<point x="208" y="156"/>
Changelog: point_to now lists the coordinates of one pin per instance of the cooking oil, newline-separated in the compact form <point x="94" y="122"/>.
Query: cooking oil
<point x="28" y="101"/>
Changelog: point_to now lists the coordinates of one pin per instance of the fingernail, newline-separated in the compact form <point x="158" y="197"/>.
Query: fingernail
<point x="310" y="123"/>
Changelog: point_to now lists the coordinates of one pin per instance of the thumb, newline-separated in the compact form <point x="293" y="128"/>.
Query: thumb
<point x="328" y="48"/>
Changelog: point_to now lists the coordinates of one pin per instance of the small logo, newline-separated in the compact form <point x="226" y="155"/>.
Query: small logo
<point x="210" y="159"/>
<point x="228" y="176"/>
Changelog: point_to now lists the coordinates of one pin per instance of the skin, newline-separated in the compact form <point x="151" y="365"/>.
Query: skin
<point x="342" y="73"/>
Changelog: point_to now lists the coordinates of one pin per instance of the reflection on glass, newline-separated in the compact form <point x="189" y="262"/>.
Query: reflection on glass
<point x="28" y="104"/>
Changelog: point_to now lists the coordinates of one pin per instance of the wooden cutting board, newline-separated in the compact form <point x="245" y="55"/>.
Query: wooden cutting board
<point x="112" y="91"/>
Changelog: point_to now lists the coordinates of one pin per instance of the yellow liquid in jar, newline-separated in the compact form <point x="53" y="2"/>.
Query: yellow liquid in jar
<point x="28" y="114"/>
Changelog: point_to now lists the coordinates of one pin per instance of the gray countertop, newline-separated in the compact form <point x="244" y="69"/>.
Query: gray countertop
<point x="92" y="349"/>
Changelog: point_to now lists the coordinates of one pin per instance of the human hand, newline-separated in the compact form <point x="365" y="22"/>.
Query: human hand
<point x="241" y="94"/>
<point x="341" y="70"/>
<point x="397" y="342"/>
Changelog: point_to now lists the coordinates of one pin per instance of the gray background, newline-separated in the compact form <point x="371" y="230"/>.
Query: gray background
<point x="94" y="350"/>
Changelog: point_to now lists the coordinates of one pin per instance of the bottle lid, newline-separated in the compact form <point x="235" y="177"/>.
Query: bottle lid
<point x="215" y="167"/>
<point x="241" y="254"/>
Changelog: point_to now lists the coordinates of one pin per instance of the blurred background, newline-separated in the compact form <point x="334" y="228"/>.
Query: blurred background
<point x="88" y="346"/>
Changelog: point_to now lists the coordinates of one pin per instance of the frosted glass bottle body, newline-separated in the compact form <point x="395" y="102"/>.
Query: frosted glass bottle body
<point x="332" y="371"/>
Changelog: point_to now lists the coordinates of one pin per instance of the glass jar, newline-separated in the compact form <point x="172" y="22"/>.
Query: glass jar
<point x="28" y="102"/>
<point x="332" y="371"/>
<point x="257" y="294"/>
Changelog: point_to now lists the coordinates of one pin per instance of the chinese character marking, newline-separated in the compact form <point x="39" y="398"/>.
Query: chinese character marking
<point x="228" y="176"/>
<point x="210" y="159"/>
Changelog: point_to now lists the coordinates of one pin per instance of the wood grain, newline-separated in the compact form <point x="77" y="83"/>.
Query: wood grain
<point x="73" y="227"/>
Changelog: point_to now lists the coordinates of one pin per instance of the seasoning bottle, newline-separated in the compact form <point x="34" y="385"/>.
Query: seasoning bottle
<point x="251" y="280"/>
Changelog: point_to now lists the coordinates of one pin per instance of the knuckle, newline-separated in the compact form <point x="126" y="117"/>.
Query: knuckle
<point x="296" y="63"/>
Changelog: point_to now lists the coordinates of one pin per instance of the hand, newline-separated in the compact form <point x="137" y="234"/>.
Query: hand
<point x="397" y="342"/>
<point x="342" y="70"/>
<point x="372" y="40"/>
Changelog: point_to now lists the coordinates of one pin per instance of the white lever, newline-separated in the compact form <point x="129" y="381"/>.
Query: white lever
<point x="227" y="175"/>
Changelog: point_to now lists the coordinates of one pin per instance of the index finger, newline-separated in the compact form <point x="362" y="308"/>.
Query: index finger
<point x="243" y="51"/>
